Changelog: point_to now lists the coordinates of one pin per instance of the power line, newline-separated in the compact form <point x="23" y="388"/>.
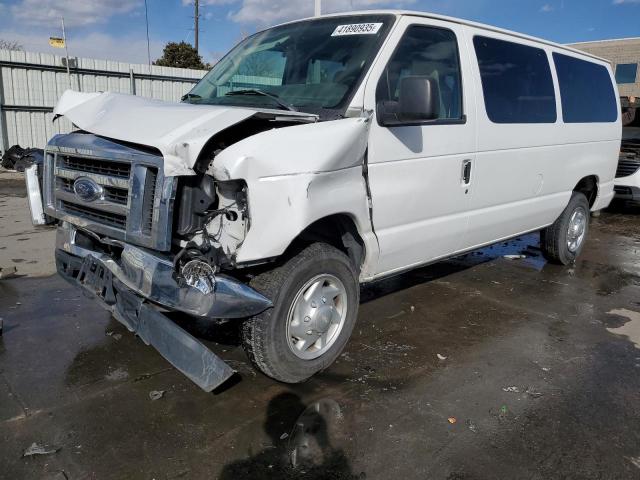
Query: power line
<point x="146" y="15"/>
<point x="197" y="21"/>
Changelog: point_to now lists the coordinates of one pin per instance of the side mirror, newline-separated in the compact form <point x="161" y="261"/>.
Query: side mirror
<point x="419" y="101"/>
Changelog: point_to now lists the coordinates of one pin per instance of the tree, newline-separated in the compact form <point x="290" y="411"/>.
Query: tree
<point x="181" y="55"/>
<point x="10" y="45"/>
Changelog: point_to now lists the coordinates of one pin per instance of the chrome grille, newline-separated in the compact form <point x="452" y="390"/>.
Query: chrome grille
<point x="92" y="165"/>
<point x="627" y="167"/>
<point x="112" y="219"/>
<point x="113" y="194"/>
<point x="629" y="162"/>
<point x="135" y="201"/>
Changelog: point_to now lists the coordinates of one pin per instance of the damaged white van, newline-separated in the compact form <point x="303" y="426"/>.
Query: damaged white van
<point x="316" y="156"/>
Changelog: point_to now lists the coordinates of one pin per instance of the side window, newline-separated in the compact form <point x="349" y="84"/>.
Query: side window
<point x="626" y="73"/>
<point x="427" y="52"/>
<point x="586" y="89"/>
<point x="516" y="82"/>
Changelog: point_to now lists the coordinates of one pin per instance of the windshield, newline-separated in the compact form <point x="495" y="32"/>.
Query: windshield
<point x="311" y="66"/>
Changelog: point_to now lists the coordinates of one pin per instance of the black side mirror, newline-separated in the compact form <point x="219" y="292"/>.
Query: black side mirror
<point x="419" y="101"/>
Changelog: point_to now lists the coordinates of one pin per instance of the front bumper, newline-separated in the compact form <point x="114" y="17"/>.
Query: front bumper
<point x="151" y="276"/>
<point x="627" y="193"/>
<point x="134" y="285"/>
<point x="177" y="346"/>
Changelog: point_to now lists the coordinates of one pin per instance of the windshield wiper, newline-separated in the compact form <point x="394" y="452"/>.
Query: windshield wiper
<point x="255" y="91"/>
<point x="189" y="96"/>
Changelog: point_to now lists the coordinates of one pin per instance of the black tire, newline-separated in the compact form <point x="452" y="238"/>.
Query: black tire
<point x="553" y="239"/>
<point x="265" y="336"/>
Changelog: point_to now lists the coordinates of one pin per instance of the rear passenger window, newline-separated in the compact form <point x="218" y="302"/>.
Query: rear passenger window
<point x="516" y="81"/>
<point x="586" y="90"/>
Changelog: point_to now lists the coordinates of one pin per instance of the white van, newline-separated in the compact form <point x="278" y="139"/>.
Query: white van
<point x="316" y="156"/>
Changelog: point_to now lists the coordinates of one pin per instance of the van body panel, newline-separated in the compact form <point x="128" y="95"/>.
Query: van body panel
<point x="419" y="202"/>
<point x="296" y="176"/>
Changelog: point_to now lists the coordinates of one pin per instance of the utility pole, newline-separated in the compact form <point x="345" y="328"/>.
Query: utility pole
<point x="197" y="19"/>
<point x="66" y="49"/>
<point x="318" y="8"/>
<point x="146" y="16"/>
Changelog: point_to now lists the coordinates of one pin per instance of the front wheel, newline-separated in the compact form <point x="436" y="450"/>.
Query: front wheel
<point x="563" y="241"/>
<point x="315" y="299"/>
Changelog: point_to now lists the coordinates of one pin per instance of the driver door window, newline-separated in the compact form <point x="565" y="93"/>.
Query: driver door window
<point x="425" y="52"/>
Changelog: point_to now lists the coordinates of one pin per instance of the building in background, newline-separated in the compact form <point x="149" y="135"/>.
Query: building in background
<point x="624" y="55"/>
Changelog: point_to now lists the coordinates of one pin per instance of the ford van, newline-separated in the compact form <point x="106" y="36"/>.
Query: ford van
<point x="317" y="156"/>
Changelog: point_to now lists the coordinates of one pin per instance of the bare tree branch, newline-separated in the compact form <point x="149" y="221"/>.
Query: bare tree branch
<point x="10" y="45"/>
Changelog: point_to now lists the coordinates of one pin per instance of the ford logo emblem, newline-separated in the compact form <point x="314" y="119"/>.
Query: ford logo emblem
<point x="87" y="189"/>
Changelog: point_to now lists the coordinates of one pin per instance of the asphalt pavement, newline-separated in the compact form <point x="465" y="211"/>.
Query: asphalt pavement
<point x="480" y="367"/>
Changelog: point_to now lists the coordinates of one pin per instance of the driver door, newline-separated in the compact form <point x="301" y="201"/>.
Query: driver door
<point x="421" y="173"/>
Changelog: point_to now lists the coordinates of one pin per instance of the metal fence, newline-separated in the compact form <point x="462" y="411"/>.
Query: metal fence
<point x="32" y="83"/>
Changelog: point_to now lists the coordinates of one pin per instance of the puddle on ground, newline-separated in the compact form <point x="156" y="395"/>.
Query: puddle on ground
<point x="631" y="329"/>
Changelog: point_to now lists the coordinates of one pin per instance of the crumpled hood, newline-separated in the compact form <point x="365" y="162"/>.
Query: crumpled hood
<point x="179" y="130"/>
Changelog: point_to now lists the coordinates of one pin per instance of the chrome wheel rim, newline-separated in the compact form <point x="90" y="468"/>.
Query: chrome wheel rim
<point x="577" y="229"/>
<point x="316" y="316"/>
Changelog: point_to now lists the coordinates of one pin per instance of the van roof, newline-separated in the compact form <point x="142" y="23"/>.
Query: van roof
<point x="414" y="13"/>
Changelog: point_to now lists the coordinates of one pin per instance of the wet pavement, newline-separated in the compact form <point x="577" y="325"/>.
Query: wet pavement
<point x="475" y="368"/>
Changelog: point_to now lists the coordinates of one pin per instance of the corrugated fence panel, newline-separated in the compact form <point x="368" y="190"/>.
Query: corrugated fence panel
<point x="31" y="84"/>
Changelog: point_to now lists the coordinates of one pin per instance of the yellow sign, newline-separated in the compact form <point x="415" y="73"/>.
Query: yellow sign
<point x="56" y="42"/>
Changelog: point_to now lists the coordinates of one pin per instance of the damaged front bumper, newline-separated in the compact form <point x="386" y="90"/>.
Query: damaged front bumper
<point x="134" y="285"/>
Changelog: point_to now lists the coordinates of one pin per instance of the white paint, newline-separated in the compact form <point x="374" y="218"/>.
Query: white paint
<point x="630" y="181"/>
<point x="298" y="175"/>
<point x="178" y="130"/>
<point x="631" y="329"/>
<point x="522" y="175"/>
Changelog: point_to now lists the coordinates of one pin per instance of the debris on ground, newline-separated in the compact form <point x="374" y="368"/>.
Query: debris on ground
<point x="532" y="393"/>
<point x="634" y="460"/>
<point x="117" y="374"/>
<point x="18" y="158"/>
<point x="413" y="309"/>
<point x="441" y="357"/>
<point x="8" y="272"/>
<point x="35" y="449"/>
<point x="452" y="420"/>
<point x="283" y="436"/>
<point x="472" y="426"/>
<point x="511" y="389"/>
<point x="115" y="336"/>
<point x="11" y="156"/>
<point x="156" y="394"/>
<point x="515" y="257"/>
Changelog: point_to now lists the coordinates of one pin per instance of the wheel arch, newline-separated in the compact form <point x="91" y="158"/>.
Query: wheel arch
<point x="339" y="230"/>
<point x="589" y="186"/>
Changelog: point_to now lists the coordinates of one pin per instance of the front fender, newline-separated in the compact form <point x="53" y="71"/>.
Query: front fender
<point x="296" y="176"/>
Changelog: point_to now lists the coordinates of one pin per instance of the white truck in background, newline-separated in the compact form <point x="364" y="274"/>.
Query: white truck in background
<point x="316" y="156"/>
<point x="627" y="184"/>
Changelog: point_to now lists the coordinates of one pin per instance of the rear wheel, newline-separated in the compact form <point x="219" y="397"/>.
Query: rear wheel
<point x="315" y="299"/>
<point x="563" y="241"/>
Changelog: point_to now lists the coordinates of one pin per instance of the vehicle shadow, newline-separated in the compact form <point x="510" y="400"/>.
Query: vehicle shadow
<point x="301" y="443"/>
<point x="526" y="244"/>
<point x="228" y="332"/>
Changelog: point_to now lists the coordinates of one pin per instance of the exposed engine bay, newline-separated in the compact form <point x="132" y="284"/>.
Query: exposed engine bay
<point x="212" y="216"/>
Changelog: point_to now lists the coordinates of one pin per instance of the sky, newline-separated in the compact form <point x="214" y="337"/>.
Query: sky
<point x="115" y="29"/>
